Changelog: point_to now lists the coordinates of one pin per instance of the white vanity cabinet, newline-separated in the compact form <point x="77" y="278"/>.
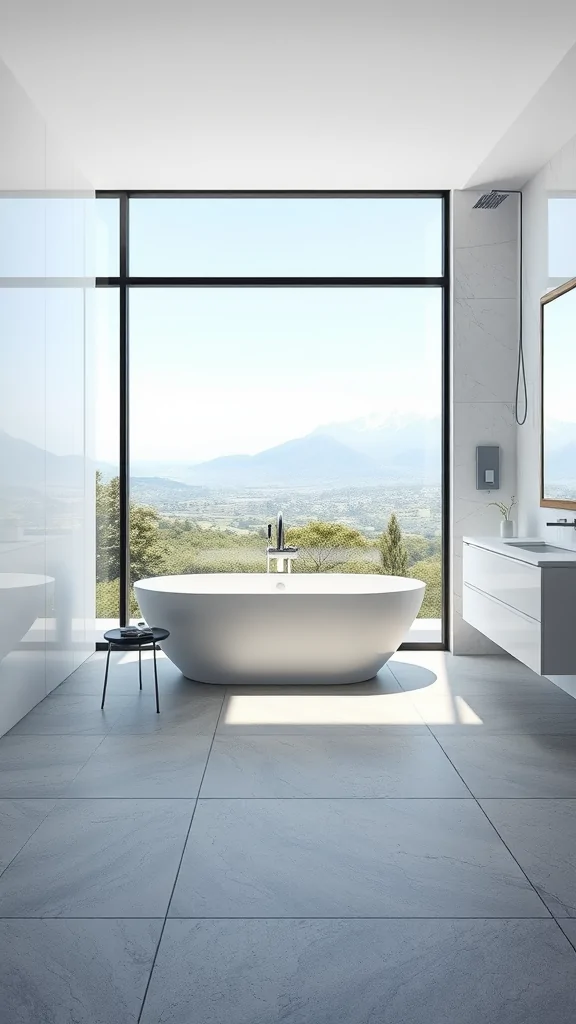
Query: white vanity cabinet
<point x="524" y="600"/>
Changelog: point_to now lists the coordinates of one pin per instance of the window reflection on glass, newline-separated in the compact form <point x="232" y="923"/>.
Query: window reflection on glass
<point x="22" y="236"/>
<point x="106" y="227"/>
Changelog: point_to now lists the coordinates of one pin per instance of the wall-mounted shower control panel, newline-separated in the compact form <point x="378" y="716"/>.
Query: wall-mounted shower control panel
<point x="487" y="467"/>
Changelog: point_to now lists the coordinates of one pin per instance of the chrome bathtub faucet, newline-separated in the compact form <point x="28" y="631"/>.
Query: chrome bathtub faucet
<point x="281" y="553"/>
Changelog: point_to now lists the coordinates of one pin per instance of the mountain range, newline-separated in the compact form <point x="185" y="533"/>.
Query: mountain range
<point x="364" y="451"/>
<point x="25" y="465"/>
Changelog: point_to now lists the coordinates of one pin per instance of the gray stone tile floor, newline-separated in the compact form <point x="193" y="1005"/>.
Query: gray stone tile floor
<point x="401" y="850"/>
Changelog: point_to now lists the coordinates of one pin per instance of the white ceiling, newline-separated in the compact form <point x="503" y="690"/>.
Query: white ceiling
<point x="305" y="94"/>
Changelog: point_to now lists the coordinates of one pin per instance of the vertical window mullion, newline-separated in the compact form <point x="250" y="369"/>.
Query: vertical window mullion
<point x="124" y="472"/>
<point x="446" y="422"/>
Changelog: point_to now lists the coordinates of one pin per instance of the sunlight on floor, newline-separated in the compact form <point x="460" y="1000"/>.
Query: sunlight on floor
<point x="429" y="700"/>
<point x="393" y="709"/>
<point x="130" y="657"/>
<point x="322" y="709"/>
<point x="431" y="691"/>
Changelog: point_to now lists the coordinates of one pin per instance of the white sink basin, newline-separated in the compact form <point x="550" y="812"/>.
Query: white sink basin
<point x="540" y="547"/>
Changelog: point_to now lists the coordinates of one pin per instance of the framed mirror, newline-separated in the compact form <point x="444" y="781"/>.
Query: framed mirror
<point x="558" y="408"/>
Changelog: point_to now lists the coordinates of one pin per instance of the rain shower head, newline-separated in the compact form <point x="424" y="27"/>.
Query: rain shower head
<point x="490" y="200"/>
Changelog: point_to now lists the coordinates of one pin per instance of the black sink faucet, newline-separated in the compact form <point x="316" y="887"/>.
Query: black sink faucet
<point x="564" y="522"/>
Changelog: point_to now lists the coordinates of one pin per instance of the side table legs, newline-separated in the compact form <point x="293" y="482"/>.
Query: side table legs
<point x="111" y="644"/>
<point x="156" y="681"/>
<point x="106" y="677"/>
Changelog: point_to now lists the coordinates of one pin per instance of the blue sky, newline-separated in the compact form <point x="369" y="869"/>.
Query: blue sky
<point x="560" y="314"/>
<point x="224" y="371"/>
<point x="286" y="237"/>
<point x="560" y="358"/>
<point x="217" y="371"/>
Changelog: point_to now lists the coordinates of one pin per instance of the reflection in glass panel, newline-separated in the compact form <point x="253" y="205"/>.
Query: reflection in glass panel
<point x="107" y="433"/>
<point x="22" y="236"/>
<point x="106" y="226"/>
<point x="558" y="406"/>
<point x="562" y="237"/>
<point x="25" y="589"/>
<point x="65" y="477"/>
<point x="68" y="220"/>
<point x="324" y="403"/>
<point x="266" y="237"/>
<point x="58" y="236"/>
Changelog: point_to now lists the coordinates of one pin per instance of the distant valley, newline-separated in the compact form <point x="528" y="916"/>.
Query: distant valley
<point x="359" y="453"/>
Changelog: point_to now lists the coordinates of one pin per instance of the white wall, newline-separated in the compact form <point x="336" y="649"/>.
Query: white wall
<point x="557" y="177"/>
<point x="484" y="344"/>
<point x="46" y="473"/>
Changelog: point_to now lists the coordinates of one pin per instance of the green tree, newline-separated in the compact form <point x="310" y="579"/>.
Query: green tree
<point x="430" y="572"/>
<point x="417" y="547"/>
<point x="147" y="552"/>
<point x="107" y="529"/>
<point x="107" y="599"/>
<point x="324" y="546"/>
<point x="393" y="554"/>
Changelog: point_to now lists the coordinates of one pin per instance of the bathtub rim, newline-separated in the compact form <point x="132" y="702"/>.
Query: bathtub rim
<point x="404" y="584"/>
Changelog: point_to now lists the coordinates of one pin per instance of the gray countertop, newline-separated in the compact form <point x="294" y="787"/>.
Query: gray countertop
<point x="559" y="558"/>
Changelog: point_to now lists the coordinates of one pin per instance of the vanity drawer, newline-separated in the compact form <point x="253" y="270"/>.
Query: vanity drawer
<point x="516" y="633"/>
<point x="507" y="579"/>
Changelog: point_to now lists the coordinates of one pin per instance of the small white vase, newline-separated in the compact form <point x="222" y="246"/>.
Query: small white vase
<point x="507" y="528"/>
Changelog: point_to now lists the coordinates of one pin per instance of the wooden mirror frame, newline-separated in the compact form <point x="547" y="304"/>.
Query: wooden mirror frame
<point x="549" y="502"/>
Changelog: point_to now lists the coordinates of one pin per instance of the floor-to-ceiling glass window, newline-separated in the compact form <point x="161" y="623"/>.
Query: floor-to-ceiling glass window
<point x="105" y="402"/>
<point x="285" y="354"/>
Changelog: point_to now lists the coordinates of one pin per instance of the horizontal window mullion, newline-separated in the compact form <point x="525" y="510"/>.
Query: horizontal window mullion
<point x="46" y="282"/>
<point x="271" y="282"/>
<point x="272" y="194"/>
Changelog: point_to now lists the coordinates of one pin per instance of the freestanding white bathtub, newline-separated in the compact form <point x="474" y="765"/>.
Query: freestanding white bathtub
<point x="302" y="628"/>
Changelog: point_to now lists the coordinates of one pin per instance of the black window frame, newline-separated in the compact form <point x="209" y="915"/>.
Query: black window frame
<point x="124" y="282"/>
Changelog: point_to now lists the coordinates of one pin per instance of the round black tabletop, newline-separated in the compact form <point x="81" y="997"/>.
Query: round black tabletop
<point x="114" y="636"/>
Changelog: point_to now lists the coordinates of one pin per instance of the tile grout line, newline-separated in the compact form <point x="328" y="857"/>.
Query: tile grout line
<point x="302" y="917"/>
<point x="51" y="799"/>
<point x="466" y="731"/>
<point x="336" y="796"/>
<point x="334" y="917"/>
<point x="567" y="937"/>
<point x="162" y="929"/>
<point x="223" y="796"/>
<point x="85" y="917"/>
<point x="427" y="727"/>
<point x="17" y="854"/>
<point x="492" y="825"/>
<point x="483" y="730"/>
<point x="81" y="768"/>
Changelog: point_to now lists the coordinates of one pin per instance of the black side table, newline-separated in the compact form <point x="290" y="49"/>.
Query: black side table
<point x="116" y="641"/>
